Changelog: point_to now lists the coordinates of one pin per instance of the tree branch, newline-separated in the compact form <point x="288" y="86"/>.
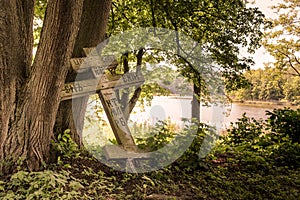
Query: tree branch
<point x="153" y="16"/>
<point x="290" y="61"/>
<point x="132" y="102"/>
<point x="125" y="95"/>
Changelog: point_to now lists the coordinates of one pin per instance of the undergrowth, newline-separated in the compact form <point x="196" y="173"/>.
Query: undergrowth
<point x="255" y="160"/>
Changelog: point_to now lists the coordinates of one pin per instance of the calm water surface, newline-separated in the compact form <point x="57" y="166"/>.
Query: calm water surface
<point x="176" y="108"/>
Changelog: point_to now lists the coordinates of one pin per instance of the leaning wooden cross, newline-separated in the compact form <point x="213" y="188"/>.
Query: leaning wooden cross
<point x="105" y="85"/>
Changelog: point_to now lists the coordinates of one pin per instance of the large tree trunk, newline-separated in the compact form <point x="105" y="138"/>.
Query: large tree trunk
<point x="16" y="42"/>
<point x="92" y="31"/>
<point x="33" y="112"/>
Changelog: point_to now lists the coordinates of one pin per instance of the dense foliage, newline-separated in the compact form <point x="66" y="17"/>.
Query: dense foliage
<point x="220" y="28"/>
<point x="282" y="39"/>
<point x="269" y="84"/>
<point x="255" y="160"/>
<point x="274" y="142"/>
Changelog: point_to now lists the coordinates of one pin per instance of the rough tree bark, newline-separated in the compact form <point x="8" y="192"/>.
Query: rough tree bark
<point x="32" y="92"/>
<point x="16" y="44"/>
<point x="92" y="32"/>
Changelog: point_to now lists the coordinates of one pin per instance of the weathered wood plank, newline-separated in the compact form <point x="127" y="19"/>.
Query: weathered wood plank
<point x="114" y="112"/>
<point x="114" y="152"/>
<point x="87" y="87"/>
<point x="80" y="64"/>
<point x="75" y="62"/>
<point x="93" y="51"/>
<point x="130" y="79"/>
<point x="116" y="118"/>
<point x="99" y="71"/>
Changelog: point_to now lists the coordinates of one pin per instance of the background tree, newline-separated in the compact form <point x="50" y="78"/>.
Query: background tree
<point x="283" y="39"/>
<point x="269" y="84"/>
<point x="220" y="27"/>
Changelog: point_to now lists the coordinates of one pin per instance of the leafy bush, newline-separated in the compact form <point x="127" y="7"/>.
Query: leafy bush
<point x="40" y="185"/>
<point x="273" y="142"/>
<point x="288" y="154"/>
<point x="245" y="130"/>
<point x="65" y="147"/>
<point x="285" y="122"/>
<point x="204" y="139"/>
<point x="164" y="134"/>
<point x="161" y="135"/>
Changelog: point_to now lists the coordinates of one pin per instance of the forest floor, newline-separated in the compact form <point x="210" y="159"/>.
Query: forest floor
<point x="87" y="178"/>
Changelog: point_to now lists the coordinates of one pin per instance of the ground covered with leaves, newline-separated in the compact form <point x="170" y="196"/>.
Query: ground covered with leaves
<point x="255" y="160"/>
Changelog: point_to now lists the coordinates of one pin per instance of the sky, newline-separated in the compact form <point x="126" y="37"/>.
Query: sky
<point x="262" y="56"/>
<point x="265" y="5"/>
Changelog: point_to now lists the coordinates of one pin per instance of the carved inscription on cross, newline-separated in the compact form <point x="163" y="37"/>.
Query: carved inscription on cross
<point x="116" y="118"/>
<point x="84" y="88"/>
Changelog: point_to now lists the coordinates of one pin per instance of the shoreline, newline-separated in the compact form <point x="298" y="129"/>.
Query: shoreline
<point x="246" y="102"/>
<point x="267" y="103"/>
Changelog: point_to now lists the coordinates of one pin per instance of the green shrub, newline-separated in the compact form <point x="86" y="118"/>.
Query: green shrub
<point x="203" y="141"/>
<point x="245" y="130"/>
<point x="164" y="134"/>
<point x="40" y="185"/>
<point x="65" y="147"/>
<point x="273" y="142"/>
<point x="161" y="135"/>
<point x="288" y="154"/>
<point x="285" y="122"/>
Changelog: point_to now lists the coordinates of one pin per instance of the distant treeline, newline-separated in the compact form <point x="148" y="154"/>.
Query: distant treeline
<point x="269" y="84"/>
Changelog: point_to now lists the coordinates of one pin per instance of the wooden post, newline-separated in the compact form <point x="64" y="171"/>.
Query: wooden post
<point x="116" y="118"/>
<point x="114" y="112"/>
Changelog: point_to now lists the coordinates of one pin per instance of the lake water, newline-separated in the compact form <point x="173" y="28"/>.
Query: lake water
<point x="176" y="108"/>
